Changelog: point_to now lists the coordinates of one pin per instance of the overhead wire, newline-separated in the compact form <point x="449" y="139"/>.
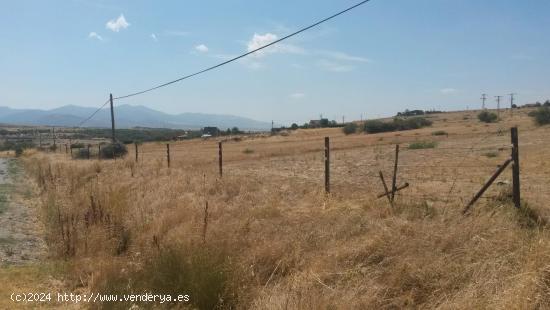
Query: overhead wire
<point x="245" y="54"/>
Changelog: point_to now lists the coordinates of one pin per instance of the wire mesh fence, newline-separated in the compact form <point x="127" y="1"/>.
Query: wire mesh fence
<point x="448" y="170"/>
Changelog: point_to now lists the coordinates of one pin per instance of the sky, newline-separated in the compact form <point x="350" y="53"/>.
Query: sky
<point x="378" y="59"/>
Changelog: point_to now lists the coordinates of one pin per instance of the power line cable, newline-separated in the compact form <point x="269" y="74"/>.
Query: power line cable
<point x="245" y="54"/>
<point x="93" y="114"/>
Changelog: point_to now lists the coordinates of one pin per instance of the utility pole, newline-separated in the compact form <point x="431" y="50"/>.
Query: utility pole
<point x="343" y="120"/>
<point x="112" y="119"/>
<point x="483" y="98"/>
<point x="498" y="106"/>
<point x="271" y="125"/>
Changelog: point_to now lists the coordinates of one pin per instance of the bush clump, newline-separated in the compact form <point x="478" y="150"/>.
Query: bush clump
<point x="440" y="133"/>
<point x="81" y="153"/>
<point x="113" y="150"/>
<point x="77" y="145"/>
<point x="350" y="128"/>
<point x="487" y="117"/>
<point x="541" y="115"/>
<point x="398" y="124"/>
<point x="422" y="145"/>
<point x="200" y="273"/>
<point x="19" y="151"/>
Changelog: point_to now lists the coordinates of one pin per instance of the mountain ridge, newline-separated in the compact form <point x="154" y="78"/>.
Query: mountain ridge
<point x="126" y="116"/>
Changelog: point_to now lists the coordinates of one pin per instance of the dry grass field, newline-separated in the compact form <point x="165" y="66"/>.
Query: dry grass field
<point x="266" y="236"/>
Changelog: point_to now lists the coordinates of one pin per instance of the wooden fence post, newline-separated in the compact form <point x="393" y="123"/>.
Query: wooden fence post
<point x="327" y="165"/>
<point x="99" y="151"/>
<point x="487" y="185"/>
<point x="515" y="168"/>
<point x="136" y="148"/>
<point x="71" y="148"/>
<point x="88" y="152"/>
<point x="168" y="154"/>
<point x="220" y="158"/>
<point x="394" y="180"/>
<point x="66" y="149"/>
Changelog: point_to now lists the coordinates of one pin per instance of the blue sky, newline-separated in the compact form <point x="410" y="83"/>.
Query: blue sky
<point x="378" y="59"/>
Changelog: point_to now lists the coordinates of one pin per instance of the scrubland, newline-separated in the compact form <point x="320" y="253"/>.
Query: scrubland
<point x="267" y="236"/>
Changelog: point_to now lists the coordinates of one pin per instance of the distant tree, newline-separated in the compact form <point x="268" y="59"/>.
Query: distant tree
<point x="487" y="117"/>
<point x="538" y="104"/>
<point x="350" y="128"/>
<point x="235" y="130"/>
<point x="547" y="103"/>
<point x="324" y="122"/>
<point x="294" y="126"/>
<point x="514" y="106"/>
<point x="541" y="115"/>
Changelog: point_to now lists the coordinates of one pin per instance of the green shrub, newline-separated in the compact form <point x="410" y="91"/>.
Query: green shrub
<point x="487" y="117"/>
<point x="115" y="150"/>
<point x="542" y="116"/>
<point x="440" y="133"/>
<point x="422" y="145"/>
<point x="491" y="154"/>
<point x="350" y="128"/>
<point x="81" y="153"/>
<point x="199" y="272"/>
<point x="248" y="151"/>
<point x="19" y="150"/>
<point x="376" y="126"/>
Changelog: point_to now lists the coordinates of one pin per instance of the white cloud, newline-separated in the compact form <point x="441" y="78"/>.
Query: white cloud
<point x="259" y="40"/>
<point x="154" y="37"/>
<point x="297" y="95"/>
<point x="334" y="66"/>
<point x="448" y="91"/>
<point x="343" y="56"/>
<point x="94" y="35"/>
<point x="202" y="48"/>
<point x="116" y="25"/>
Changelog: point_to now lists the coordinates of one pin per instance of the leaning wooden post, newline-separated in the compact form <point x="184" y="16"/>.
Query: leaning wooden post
<point x="220" y="158"/>
<point x="168" y="154"/>
<point x="515" y="168"/>
<point x="136" y="148"/>
<point x="487" y="185"/>
<point x="394" y="180"/>
<point x="327" y="164"/>
<point x="388" y="194"/>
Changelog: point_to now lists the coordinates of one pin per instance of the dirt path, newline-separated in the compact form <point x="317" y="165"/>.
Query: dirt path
<point x="20" y="236"/>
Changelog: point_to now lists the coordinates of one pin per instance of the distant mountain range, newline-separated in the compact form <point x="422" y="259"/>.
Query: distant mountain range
<point x="126" y="116"/>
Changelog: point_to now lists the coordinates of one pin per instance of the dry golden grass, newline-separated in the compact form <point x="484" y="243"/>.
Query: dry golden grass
<point x="271" y="239"/>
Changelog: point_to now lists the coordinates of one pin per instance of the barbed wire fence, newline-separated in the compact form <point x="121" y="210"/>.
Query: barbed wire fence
<point x="460" y="173"/>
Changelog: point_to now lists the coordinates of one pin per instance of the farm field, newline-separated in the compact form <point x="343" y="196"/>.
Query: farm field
<point x="267" y="236"/>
